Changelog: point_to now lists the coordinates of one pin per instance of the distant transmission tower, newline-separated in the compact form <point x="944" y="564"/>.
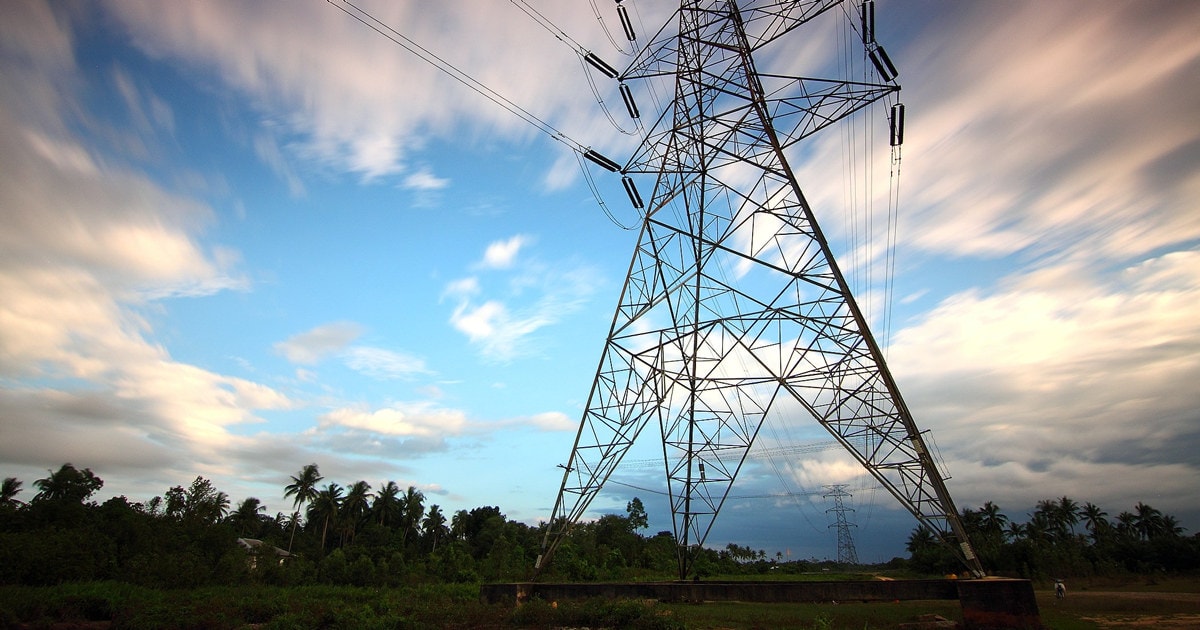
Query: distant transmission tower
<point x="734" y="311"/>
<point x="846" y="555"/>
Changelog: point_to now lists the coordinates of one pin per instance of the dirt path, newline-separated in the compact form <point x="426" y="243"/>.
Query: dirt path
<point x="1139" y="595"/>
<point x="1176" y="621"/>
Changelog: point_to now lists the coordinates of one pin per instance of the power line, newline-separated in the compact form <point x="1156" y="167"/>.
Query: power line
<point x="398" y="38"/>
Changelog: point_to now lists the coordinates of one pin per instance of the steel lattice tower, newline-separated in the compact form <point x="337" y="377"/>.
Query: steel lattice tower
<point x="734" y="305"/>
<point x="846" y="554"/>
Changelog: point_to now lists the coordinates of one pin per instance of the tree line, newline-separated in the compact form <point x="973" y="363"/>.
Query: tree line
<point x="357" y="534"/>
<point x="353" y="534"/>
<point x="1064" y="538"/>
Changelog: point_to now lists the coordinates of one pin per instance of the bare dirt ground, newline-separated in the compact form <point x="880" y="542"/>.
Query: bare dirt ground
<point x="1175" y="602"/>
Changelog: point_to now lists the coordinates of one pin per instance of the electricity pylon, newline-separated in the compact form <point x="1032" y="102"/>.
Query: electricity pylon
<point x="734" y="306"/>
<point x="846" y="553"/>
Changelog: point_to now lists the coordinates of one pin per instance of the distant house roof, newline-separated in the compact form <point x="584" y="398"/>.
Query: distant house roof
<point x="254" y="545"/>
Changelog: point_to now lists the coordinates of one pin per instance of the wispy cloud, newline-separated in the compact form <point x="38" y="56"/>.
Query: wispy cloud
<point x="1059" y="372"/>
<point x="423" y="179"/>
<point x="1058" y="150"/>
<point x="341" y="97"/>
<point x="502" y="254"/>
<point x="418" y="419"/>
<point x="535" y="296"/>
<point x="385" y="364"/>
<point x="312" y="346"/>
<point x="90" y="246"/>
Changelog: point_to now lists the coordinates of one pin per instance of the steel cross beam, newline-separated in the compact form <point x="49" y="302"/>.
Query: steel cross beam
<point x="733" y="303"/>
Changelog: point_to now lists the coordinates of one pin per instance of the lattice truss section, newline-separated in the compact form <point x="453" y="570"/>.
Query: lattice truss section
<point x="733" y="303"/>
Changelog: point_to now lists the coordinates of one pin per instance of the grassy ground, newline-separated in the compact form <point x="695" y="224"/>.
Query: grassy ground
<point x="857" y="616"/>
<point x="1173" y="604"/>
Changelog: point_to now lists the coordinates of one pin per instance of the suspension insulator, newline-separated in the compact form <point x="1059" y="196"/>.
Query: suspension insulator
<point x="623" y="13"/>
<point x="897" y="124"/>
<point x="601" y="160"/>
<point x="867" y="13"/>
<point x="883" y="63"/>
<point x="599" y="64"/>
<point x="632" y="191"/>
<point x="627" y="96"/>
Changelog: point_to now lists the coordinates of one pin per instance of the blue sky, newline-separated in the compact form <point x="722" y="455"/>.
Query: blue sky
<point x="236" y="239"/>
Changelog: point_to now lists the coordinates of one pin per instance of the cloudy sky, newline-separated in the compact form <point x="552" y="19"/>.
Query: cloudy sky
<point x="236" y="239"/>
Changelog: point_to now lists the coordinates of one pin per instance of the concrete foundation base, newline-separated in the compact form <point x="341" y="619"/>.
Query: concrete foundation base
<point x="988" y="604"/>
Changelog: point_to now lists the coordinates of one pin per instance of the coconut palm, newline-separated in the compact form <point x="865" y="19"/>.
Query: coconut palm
<point x="1048" y="520"/>
<point x="1094" y="521"/>
<point x="992" y="521"/>
<point x="303" y="489"/>
<point x="9" y="491"/>
<point x="1068" y="512"/>
<point x="68" y="484"/>
<point x="458" y="524"/>
<point x="326" y="507"/>
<point x="412" y="508"/>
<point x="246" y="516"/>
<point x="1148" y="521"/>
<point x="386" y="508"/>
<point x="355" y="507"/>
<point x="434" y="526"/>
<point x="1016" y="531"/>
<point x="919" y="540"/>
<point x="1171" y="526"/>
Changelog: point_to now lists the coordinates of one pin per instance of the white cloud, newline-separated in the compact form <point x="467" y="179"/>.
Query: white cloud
<point x="553" y="421"/>
<point x="480" y="322"/>
<point x="417" y="419"/>
<point x="502" y="254"/>
<point x="1032" y="128"/>
<point x="537" y="296"/>
<point x="1060" y="371"/>
<point x="316" y="344"/>
<point x="359" y="101"/>
<point x="424" y="179"/>
<point x="380" y="363"/>
<point x="462" y="288"/>
<point x="89" y="248"/>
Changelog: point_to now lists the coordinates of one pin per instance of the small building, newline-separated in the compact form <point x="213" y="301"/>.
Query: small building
<point x="256" y="548"/>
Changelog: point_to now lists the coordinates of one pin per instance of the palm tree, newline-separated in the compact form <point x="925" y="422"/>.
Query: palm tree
<point x="1171" y="527"/>
<point x="412" y="508"/>
<point x="458" y="524"/>
<point x="9" y="491"/>
<point x="1040" y="528"/>
<point x="1016" y="531"/>
<point x="1068" y="512"/>
<point x="1049" y="519"/>
<point x="1094" y="521"/>
<point x="326" y="507"/>
<point x="303" y="489"/>
<point x="218" y="507"/>
<point x="386" y="507"/>
<point x="919" y="540"/>
<point x="1148" y="521"/>
<point x="356" y="506"/>
<point x="992" y="520"/>
<point x="246" y="515"/>
<point x="434" y="525"/>
<point x="68" y="484"/>
<point x="1127" y="524"/>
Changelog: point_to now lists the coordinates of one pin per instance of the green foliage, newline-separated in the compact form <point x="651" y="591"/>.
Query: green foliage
<point x="1064" y="539"/>
<point x="127" y="606"/>
<point x="594" y="613"/>
<point x="352" y="537"/>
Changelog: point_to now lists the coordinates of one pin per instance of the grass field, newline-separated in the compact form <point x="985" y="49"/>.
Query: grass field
<point x="1172" y="604"/>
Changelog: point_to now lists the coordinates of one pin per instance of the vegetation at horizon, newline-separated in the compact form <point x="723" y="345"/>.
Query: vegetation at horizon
<point x="362" y="536"/>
